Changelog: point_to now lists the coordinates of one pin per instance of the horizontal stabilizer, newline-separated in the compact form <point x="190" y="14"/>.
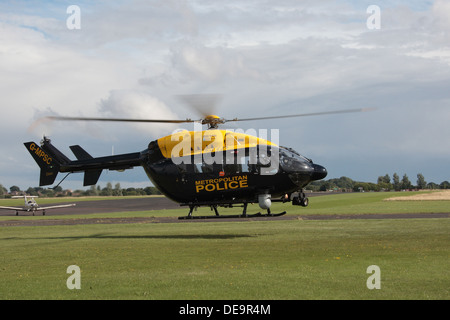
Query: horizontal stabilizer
<point x="90" y="176"/>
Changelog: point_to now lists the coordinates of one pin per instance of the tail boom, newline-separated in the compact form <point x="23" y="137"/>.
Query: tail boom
<point x="51" y="161"/>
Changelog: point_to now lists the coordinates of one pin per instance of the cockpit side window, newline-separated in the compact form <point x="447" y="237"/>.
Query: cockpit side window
<point x="291" y="153"/>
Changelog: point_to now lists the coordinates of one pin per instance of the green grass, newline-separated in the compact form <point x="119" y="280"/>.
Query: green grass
<point x="296" y="259"/>
<point x="225" y="260"/>
<point x="370" y="202"/>
<point x="350" y="203"/>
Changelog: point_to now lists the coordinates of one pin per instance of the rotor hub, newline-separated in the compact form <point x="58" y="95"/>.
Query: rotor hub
<point x="213" y="121"/>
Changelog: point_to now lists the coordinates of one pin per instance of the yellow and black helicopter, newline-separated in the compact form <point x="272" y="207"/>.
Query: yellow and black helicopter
<point x="211" y="167"/>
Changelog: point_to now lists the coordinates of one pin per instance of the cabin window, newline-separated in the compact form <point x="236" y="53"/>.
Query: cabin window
<point x="234" y="162"/>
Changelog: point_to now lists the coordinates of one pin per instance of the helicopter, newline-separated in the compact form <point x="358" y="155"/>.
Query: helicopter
<point x="212" y="168"/>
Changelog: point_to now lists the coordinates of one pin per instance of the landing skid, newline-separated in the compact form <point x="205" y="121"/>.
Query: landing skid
<point x="228" y="216"/>
<point x="234" y="216"/>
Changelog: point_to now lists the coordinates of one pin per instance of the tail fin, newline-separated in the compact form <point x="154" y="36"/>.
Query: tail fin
<point x="49" y="164"/>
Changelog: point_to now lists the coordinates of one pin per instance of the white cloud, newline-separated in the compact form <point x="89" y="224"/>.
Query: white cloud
<point x="267" y="58"/>
<point x="138" y="105"/>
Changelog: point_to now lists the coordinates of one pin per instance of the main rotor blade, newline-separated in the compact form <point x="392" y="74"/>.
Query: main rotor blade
<point x="118" y="119"/>
<point x="305" y="114"/>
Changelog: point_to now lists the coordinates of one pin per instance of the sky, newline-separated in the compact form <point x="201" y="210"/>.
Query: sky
<point x="264" y="58"/>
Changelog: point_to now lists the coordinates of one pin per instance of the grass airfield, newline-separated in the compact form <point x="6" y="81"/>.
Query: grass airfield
<point x="251" y="260"/>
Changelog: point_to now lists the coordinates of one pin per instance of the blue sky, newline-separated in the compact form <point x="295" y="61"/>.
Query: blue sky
<point x="132" y="58"/>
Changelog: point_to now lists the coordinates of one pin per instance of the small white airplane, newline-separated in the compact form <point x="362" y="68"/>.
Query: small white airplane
<point x="32" y="206"/>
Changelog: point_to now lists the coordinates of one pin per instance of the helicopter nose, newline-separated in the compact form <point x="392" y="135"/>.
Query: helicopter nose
<point x="319" y="172"/>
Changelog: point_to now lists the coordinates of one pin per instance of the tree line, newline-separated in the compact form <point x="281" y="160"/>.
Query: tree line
<point x="343" y="184"/>
<point x="384" y="183"/>
<point x="95" y="190"/>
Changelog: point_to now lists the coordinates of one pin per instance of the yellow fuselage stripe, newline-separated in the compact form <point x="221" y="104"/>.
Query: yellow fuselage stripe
<point x="185" y="143"/>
